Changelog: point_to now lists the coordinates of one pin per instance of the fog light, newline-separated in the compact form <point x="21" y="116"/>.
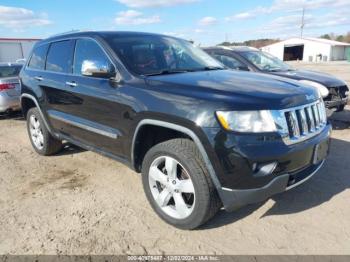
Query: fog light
<point x="264" y="169"/>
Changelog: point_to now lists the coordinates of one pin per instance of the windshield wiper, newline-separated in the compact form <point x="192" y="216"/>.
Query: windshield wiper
<point x="280" y="70"/>
<point x="167" y="72"/>
<point x="275" y="70"/>
<point x="208" y="68"/>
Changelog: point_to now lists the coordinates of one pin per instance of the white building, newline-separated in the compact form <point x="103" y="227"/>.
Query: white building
<point x="12" y="49"/>
<point x="308" y="49"/>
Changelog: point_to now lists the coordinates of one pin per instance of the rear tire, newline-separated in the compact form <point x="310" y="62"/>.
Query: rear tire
<point x="177" y="184"/>
<point x="42" y="141"/>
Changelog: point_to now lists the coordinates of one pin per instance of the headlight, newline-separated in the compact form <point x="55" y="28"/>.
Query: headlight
<point x="247" y="121"/>
<point x="322" y="90"/>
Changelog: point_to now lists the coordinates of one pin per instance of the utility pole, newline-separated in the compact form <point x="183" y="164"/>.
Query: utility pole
<point x="302" y="23"/>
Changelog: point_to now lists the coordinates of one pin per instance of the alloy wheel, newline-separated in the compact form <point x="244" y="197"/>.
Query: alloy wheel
<point x="171" y="187"/>
<point x="36" y="132"/>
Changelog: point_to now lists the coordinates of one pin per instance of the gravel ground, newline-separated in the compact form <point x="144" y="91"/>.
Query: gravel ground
<point x="81" y="203"/>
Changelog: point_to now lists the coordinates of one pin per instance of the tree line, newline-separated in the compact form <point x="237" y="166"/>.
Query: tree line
<point x="254" y="43"/>
<point x="341" y="38"/>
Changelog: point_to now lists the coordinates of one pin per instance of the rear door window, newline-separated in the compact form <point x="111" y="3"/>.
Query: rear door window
<point x="37" y="61"/>
<point x="59" y="57"/>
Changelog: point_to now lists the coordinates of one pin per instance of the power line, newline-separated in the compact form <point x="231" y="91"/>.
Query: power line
<point x="302" y="23"/>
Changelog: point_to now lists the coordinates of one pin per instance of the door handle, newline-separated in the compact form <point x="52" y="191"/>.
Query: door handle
<point x="39" y="78"/>
<point x="71" y="84"/>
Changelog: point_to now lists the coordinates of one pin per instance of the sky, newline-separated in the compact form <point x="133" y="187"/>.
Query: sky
<point x="207" y="22"/>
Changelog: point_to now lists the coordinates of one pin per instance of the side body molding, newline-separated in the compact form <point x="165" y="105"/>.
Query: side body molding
<point x="41" y="113"/>
<point x="85" y="124"/>
<point x="184" y="130"/>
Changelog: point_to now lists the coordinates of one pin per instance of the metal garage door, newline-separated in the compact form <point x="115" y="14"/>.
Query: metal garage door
<point x="348" y="53"/>
<point x="10" y="52"/>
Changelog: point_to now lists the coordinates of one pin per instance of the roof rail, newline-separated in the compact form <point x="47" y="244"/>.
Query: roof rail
<point x="233" y="47"/>
<point x="67" y="33"/>
<point x="224" y="47"/>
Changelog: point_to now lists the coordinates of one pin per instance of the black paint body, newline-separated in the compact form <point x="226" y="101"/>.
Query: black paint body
<point x="188" y="99"/>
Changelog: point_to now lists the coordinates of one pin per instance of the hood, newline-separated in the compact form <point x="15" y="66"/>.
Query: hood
<point x="322" y="78"/>
<point x="245" y="90"/>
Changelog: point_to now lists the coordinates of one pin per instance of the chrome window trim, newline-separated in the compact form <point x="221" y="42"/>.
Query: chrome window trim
<point x="67" y="39"/>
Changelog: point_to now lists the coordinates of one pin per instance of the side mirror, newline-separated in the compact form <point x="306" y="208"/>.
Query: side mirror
<point x="97" y="69"/>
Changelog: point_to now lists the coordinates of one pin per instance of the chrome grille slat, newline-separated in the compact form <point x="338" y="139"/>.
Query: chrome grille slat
<point x="322" y="112"/>
<point x="310" y="115"/>
<point x="316" y="115"/>
<point x="304" y="128"/>
<point x="295" y="124"/>
<point x="302" y="122"/>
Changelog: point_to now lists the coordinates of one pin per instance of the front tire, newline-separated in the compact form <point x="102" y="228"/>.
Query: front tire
<point x="177" y="184"/>
<point x="42" y="141"/>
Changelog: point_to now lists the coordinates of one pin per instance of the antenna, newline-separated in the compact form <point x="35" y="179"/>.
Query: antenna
<point x="302" y="23"/>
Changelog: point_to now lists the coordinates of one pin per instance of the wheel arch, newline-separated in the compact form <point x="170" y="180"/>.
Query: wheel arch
<point x="177" y="128"/>
<point x="29" y="101"/>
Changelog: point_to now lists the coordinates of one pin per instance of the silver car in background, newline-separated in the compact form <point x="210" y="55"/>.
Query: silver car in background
<point x="10" y="89"/>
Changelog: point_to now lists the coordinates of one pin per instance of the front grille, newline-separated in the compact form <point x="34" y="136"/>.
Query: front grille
<point x="305" y="121"/>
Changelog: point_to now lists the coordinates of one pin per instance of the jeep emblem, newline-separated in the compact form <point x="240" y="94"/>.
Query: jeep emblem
<point x="310" y="97"/>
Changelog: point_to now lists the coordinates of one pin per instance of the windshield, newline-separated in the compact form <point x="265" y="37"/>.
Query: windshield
<point x="9" y="71"/>
<point x="265" y="61"/>
<point x="152" y="55"/>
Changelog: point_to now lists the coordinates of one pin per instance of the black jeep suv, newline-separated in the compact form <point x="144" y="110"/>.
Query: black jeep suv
<point x="334" y="91"/>
<point x="202" y="136"/>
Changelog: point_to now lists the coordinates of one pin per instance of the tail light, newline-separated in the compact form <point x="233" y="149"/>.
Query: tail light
<point x="4" y="87"/>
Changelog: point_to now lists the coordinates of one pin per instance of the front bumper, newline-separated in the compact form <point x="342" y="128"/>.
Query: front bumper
<point x="9" y="102"/>
<point x="251" y="168"/>
<point x="235" y="199"/>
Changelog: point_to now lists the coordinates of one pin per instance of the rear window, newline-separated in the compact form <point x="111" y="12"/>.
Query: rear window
<point x="59" y="57"/>
<point x="10" y="71"/>
<point x="37" y="60"/>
